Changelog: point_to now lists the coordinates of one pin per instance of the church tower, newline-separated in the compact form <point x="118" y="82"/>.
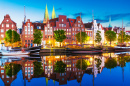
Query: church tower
<point x="110" y="22"/>
<point x="46" y="15"/>
<point x="53" y="13"/>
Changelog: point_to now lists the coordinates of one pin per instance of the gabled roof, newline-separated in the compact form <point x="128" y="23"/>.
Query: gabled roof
<point x="39" y="24"/>
<point x="88" y="25"/>
<point x="71" y="21"/>
<point x="53" y="21"/>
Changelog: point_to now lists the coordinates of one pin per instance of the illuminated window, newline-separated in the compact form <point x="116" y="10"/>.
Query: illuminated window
<point x="25" y="36"/>
<point x="7" y="25"/>
<point x="25" y="41"/>
<point x="28" y="41"/>
<point x="2" y="36"/>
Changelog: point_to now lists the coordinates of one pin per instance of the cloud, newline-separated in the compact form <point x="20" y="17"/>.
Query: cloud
<point x="128" y="24"/>
<point x="78" y="14"/>
<point x="102" y="20"/>
<point x="113" y="17"/>
<point x="117" y="16"/>
<point x="59" y="9"/>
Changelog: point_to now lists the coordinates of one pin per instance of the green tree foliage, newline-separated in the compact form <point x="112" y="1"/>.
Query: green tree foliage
<point x="12" y="36"/>
<point x="98" y="37"/>
<point x="110" y="63"/>
<point x="38" y="69"/>
<point x="12" y="69"/>
<point x="83" y="37"/>
<point x="59" y="67"/>
<point x="37" y="36"/>
<point x="82" y="64"/>
<point x="110" y="36"/>
<point x="98" y="63"/>
<point x="59" y="36"/>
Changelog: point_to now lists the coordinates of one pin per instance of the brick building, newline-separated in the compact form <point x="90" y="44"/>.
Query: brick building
<point x="5" y="25"/>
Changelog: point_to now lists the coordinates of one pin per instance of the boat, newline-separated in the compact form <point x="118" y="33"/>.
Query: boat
<point x="14" y="53"/>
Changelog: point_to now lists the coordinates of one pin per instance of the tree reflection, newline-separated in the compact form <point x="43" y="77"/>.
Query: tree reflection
<point x="59" y="67"/>
<point x="110" y="63"/>
<point x="38" y="69"/>
<point x="82" y="64"/>
<point x="12" y="69"/>
<point x="98" y="63"/>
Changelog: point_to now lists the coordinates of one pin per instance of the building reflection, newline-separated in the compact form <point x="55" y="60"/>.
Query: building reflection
<point x="95" y="67"/>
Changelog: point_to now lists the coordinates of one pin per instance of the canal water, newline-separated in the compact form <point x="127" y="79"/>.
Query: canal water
<point x="107" y="69"/>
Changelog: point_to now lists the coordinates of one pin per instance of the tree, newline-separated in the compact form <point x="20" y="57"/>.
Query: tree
<point x="38" y="70"/>
<point x="110" y="36"/>
<point x="59" y="36"/>
<point x="110" y="63"/>
<point x="59" y="67"/>
<point x="12" y="36"/>
<point x="98" y="37"/>
<point x="37" y="36"/>
<point x="84" y="64"/>
<point x="12" y="69"/>
<point x="84" y="37"/>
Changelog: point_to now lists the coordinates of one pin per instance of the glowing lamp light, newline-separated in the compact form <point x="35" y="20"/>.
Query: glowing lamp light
<point x="91" y="59"/>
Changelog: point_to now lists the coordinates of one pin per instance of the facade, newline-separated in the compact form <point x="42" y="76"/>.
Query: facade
<point x="92" y="29"/>
<point x="6" y="24"/>
<point x="27" y="34"/>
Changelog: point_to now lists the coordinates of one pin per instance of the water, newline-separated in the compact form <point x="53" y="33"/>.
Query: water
<point x="102" y="70"/>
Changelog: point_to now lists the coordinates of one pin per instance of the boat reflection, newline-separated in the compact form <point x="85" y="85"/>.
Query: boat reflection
<point x="63" y="68"/>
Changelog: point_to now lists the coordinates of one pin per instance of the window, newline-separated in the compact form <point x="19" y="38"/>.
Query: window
<point x="31" y="73"/>
<point x="31" y="41"/>
<point x="28" y="68"/>
<point x="7" y="76"/>
<point x="62" y="25"/>
<point x="2" y="30"/>
<point x="31" y="32"/>
<point x="78" y="21"/>
<point x="82" y="29"/>
<point x="2" y="76"/>
<point x="7" y="81"/>
<point x="28" y="32"/>
<point x="31" y="28"/>
<point x="62" y="20"/>
<point x="2" y="36"/>
<point x="31" y="68"/>
<point x="25" y="32"/>
<point x="28" y="24"/>
<point x="25" y="28"/>
<point x="25" y="41"/>
<point x="12" y="25"/>
<point x="62" y="79"/>
<point x="73" y="34"/>
<point x="78" y="25"/>
<point x="38" y="27"/>
<point x="7" y="25"/>
<point x="2" y="25"/>
<point x="25" y="68"/>
<point x="2" y="71"/>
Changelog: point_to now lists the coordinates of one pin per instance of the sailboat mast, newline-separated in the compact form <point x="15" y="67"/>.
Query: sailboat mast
<point x="122" y="31"/>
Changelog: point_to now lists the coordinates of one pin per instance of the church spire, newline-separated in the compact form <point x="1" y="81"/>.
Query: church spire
<point x="110" y="22"/>
<point x="46" y="16"/>
<point x="53" y="13"/>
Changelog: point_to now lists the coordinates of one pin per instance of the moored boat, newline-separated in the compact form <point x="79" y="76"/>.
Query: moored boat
<point x="14" y="53"/>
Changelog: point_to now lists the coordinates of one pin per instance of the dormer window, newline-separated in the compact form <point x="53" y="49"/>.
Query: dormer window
<point x="7" y="20"/>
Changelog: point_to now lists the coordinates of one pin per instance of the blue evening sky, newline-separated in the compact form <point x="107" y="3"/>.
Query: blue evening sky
<point x="102" y="10"/>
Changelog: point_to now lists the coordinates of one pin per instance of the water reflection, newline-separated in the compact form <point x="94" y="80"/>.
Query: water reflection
<point x="60" y="68"/>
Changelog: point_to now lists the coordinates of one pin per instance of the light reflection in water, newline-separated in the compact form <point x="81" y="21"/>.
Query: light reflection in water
<point x="88" y="64"/>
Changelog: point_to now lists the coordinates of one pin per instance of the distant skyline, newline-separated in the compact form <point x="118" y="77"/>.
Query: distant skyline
<point x="102" y="10"/>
